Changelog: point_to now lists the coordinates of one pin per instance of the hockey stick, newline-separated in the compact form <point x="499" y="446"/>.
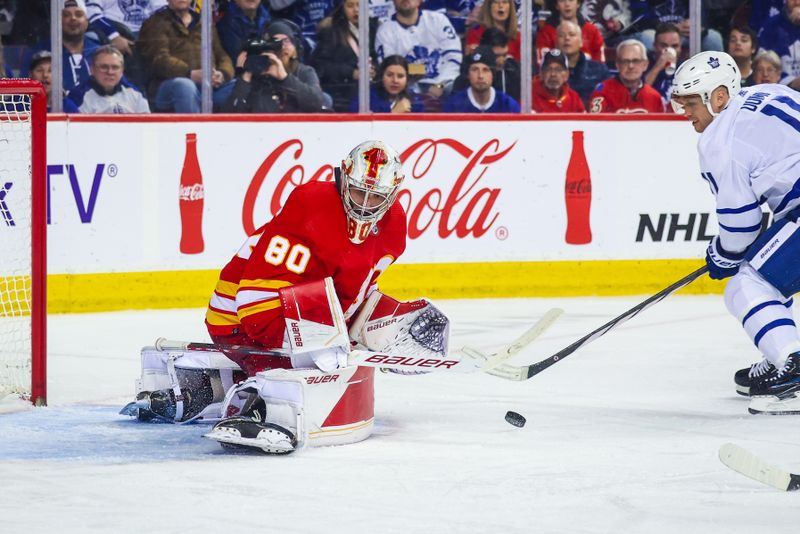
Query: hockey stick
<point x="750" y="465"/>
<point x="511" y="372"/>
<point x="388" y="361"/>
<point x="512" y="349"/>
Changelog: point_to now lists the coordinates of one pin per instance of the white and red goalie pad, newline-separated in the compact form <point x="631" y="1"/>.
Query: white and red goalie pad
<point x="314" y="317"/>
<point x="416" y="328"/>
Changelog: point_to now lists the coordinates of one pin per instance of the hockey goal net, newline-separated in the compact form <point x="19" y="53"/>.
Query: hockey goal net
<point x="23" y="231"/>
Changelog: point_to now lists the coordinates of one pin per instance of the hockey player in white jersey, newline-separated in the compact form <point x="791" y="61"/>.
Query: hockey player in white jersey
<point x="749" y="151"/>
<point x="424" y="38"/>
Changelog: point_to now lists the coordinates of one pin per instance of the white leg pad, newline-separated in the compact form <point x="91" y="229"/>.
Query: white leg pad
<point x="319" y="408"/>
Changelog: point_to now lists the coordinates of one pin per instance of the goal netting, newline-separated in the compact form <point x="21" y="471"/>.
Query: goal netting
<point x="23" y="228"/>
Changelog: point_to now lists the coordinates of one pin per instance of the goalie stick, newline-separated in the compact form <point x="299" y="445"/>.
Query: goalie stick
<point x="750" y="465"/>
<point x="511" y="372"/>
<point x="377" y="359"/>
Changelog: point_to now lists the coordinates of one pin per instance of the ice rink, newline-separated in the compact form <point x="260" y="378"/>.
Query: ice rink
<point x="622" y="436"/>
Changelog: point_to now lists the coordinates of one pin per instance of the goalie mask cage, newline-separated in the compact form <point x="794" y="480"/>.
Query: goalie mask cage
<point x="23" y="234"/>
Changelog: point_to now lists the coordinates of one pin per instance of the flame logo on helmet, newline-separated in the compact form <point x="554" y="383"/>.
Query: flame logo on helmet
<point x="375" y="159"/>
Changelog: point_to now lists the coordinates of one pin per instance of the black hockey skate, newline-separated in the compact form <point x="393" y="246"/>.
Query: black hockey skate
<point x="783" y="383"/>
<point x="249" y="433"/>
<point x="744" y="378"/>
<point x="151" y="405"/>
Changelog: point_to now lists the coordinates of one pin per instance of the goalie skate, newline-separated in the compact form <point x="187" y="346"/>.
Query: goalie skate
<point x="241" y="432"/>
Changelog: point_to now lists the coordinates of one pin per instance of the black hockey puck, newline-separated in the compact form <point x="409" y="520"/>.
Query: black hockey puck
<point x="515" y="419"/>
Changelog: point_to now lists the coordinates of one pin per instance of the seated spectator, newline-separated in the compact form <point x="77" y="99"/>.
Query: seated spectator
<point x="429" y="43"/>
<point x="169" y="44"/>
<point x="507" y="72"/>
<point x="307" y="14"/>
<point x="39" y="69"/>
<point x="391" y="94"/>
<point x="242" y="20"/>
<point x="272" y="82"/>
<point x="742" y="46"/>
<point x="500" y="15"/>
<point x="610" y="17"/>
<point x="480" y="96"/>
<point x="118" y="22"/>
<point x="584" y="74"/>
<point x="567" y="11"/>
<point x="665" y="58"/>
<point x="551" y="92"/>
<point x="77" y="47"/>
<point x="626" y="93"/>
<point x="106" y="90"/>
<point x="654" y="12"/>
<point x="766" y="68"/>
<point x="781" y="34"/>
<point x="336" y="56"/>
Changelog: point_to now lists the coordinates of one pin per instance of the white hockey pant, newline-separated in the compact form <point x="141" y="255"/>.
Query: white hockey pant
<point x="765" y="314"/>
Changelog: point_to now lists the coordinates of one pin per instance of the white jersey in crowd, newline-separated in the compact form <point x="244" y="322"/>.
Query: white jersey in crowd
<point x="131" y="13"/>
<point x="750" y="154"/>
<point x="432" y="42"/>
<point x="124" y="100"/>
<point x="381" y="9"/>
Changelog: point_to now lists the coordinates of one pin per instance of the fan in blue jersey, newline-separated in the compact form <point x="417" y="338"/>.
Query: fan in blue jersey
<point x="749" y="151"/>
<point x="480" y="96"/>
<point x="781" y="34"/>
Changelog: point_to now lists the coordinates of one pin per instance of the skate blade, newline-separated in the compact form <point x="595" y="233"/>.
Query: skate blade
<point x="743" y="390"/>
<point x="132" y="408"/>
<point x="270" y="441"/>
<point x="772" y="405"/>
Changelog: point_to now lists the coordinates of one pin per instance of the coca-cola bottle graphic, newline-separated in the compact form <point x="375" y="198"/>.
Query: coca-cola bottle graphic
<point x="578" y="194"/>
<point x="190" y="200"/>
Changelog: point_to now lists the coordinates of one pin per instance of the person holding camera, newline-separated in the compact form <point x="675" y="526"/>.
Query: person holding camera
<point x="270" y="77"/>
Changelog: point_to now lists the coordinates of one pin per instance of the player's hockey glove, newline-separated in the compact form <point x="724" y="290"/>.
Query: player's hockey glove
<point x="721" y="263"/>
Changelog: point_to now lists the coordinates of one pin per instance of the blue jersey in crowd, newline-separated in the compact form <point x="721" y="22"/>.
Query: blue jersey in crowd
<point x="783" y="38"/>
<point x="463" y="102"/>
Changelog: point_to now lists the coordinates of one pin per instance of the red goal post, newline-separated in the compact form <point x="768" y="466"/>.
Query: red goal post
<point x="23" y="240"/>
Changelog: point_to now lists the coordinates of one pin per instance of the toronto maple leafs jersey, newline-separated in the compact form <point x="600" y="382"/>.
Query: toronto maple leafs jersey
<point x="131" y="13"/>
<point x="750" y="155"/>
<point x="783" y="38"/>
<point x="432" y="42"/>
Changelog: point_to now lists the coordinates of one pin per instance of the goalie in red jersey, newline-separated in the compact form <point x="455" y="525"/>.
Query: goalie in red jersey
<point x="350" y="231"/>
<point x="303" y="287"/>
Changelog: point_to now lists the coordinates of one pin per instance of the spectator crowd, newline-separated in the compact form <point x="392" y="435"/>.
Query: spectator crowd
<point x="459" y="56"/>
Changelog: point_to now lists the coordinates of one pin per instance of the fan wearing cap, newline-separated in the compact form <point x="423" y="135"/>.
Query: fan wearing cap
<point x="77" y="48"/>
<point x="40" y="70"/>
<point x="480" y="96"/>
<point x="749" y="155"/>
<point x="275" y="81"/>
<point x="551" y="92"/>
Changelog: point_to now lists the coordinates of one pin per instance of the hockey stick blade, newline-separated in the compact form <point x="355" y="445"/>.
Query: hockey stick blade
<point x="513" y="348"/>
<point x="750" y="465"/>
<point x="511" y="372"/>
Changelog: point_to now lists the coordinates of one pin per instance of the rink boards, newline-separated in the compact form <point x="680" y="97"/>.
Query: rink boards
<point x="485" y="198"/>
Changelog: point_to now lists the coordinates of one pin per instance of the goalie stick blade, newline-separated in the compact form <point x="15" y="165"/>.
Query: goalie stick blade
<point x="513" y="348"/>
<point x="749" y="465"/>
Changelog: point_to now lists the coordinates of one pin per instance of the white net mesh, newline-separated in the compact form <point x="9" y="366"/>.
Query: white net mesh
<point x="15" y="245"/>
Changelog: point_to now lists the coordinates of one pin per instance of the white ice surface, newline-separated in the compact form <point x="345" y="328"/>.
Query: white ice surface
<point x="622" y="436"/>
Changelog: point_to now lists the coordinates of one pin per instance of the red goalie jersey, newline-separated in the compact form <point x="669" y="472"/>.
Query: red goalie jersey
<point x="306" y="241"/>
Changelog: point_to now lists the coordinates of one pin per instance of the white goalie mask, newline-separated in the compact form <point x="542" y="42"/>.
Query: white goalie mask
<point x="701" y="74"/>
<point x="369" y="180"/>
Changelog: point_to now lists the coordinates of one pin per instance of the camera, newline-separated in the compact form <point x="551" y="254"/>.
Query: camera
<point x="256" y="62"/>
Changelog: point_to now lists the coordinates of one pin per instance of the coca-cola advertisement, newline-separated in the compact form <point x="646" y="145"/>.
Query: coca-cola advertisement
<point x="476" y="191"/>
